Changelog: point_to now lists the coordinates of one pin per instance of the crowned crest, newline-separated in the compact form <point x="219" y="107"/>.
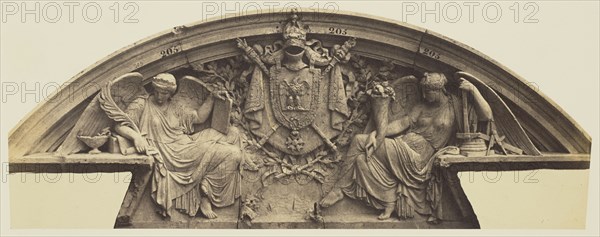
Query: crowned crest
<point x="294" y="31"/>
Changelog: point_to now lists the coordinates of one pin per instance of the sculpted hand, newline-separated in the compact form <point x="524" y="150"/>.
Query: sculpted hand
<point x="241" y="43"/>
<point x="140" y="144"/>
<point x="221" y="95"/>
<point x="371" y="143"/>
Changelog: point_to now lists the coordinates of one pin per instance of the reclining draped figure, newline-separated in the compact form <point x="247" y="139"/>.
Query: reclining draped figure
<point x="194" y="169"/>
<point x="390" y="168"/>
<point x="296" y="107"/>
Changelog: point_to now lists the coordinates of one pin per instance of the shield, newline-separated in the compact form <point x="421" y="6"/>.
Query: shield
<point x="295" y="96"/>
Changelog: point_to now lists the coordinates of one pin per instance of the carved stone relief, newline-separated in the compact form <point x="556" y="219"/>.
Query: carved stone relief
<point x="297" y="133"/>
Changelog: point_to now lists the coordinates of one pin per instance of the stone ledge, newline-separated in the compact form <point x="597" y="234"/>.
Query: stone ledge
<point x="371" y="222"/>
<point x="516" y="162"/>
<point x="78" y="163"/>
<point x="297" y="222"/>
<point x="109" y="162"/>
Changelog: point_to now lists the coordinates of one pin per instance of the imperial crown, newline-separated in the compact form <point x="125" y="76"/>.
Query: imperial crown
<point x="294" y="32"/>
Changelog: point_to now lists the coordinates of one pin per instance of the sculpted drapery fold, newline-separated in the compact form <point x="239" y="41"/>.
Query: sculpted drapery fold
<point x="314" y="117"/>
<point x="195" y="169"/>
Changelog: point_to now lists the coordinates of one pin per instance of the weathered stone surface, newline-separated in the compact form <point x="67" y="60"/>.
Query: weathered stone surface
<point x="277" y="121"/>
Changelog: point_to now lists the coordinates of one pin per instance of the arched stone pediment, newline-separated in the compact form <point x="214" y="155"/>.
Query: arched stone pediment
<point x="422" y="50"/>
<point x="41" y="137"/>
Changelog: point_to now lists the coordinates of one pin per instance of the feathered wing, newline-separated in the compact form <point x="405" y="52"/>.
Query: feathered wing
<point x="407" y="96"/>
<point x="506" y="122"/>
<point x="107" y="107"/>
<point x="191" y="93"/>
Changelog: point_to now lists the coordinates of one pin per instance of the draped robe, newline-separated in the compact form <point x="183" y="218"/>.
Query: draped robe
<point x="190" y="159"/>
<point x="398" y="173"/>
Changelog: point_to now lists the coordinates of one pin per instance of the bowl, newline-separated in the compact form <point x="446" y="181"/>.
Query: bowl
<point x="93" y="142"/>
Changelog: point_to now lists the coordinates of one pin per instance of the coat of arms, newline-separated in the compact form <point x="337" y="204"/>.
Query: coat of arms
<point x="306" y="102"/>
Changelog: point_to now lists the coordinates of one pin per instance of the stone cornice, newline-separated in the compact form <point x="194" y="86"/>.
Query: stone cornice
<point x="378" y="38"/>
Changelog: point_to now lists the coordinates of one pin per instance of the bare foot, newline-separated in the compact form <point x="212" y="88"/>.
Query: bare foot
<point x="386" y="213"/>
<point x="433" y="220"/>
<point x="206" y="208"/>
<point x="332" y="197"/>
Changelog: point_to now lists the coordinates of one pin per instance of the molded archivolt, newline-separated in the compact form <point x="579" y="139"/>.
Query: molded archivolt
<point x="549" y="127"/>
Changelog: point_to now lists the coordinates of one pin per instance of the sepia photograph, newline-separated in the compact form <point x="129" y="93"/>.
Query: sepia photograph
<point x="354" y="118"/>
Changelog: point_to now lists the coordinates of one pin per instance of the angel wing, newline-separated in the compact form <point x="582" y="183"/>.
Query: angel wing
<point x="505" y="120"/>
<point x="407" y="95"/>
<point x="191" y="93"/>
<point x="123" y="90"/>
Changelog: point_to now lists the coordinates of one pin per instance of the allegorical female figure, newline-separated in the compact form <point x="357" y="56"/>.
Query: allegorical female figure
<point x="199" y="170"/>
<point x="393" y="176"/>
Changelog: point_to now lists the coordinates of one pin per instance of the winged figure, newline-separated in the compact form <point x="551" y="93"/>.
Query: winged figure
<point x="394" y="173"/>
<point x="196" y="167"/>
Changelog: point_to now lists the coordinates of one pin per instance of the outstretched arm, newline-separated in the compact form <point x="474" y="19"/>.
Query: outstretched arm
<point x="204" y="110"/>
<point x="134" y="109"/>
<point x="398" y="126"/>
<point x="139" y="142"/>
<point x="483" y="109"/>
